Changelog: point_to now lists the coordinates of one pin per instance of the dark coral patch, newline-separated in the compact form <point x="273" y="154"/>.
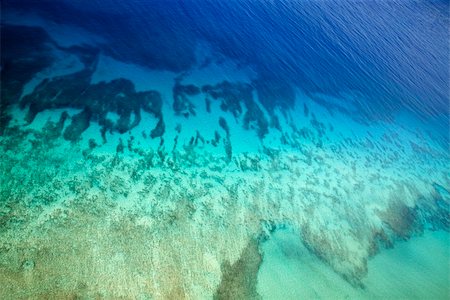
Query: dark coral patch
<point x="28" y="50"/>
<point x="80" y="122"/>
<point x="275" y="93"/>
<point x="401" y="219"/>
<point x="231" y="95"/>
<point x="158" y="131"/>
<point x="75" y="91"/>
<point x="226" y="141"/>
<point x="224" y="125"/>
<point x="181" y="103"/>
<point x="254" y="117"/>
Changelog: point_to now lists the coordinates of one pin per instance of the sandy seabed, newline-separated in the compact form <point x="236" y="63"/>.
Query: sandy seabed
<point x="85" y="222"/>
<point x="204" y="198"/>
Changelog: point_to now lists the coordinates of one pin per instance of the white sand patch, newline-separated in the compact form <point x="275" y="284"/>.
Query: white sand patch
<point x="290" y="271"/>
<point x="411" y="270"/>
<point x="18" y="115"/>
<point x="417" y="269"/>
<point x="243" y="141"/>
<point x="112" y="116"/>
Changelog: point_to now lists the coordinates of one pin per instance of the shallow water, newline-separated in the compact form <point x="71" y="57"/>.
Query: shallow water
<point x="411" y="270"/>
<point x="229" y="150"/>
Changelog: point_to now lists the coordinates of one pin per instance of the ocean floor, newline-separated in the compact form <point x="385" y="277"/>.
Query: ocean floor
<point x="411" y="270"/>
<point x="146" y="184"/>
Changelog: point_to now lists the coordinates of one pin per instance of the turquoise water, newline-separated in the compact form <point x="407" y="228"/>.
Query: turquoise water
<point x="153" y="150"/>
<point x="417" y="269"/>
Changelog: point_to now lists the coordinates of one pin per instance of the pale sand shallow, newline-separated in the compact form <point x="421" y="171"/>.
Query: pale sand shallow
<point x="417" y="269"/>
<point x="96" y="223"/>
<point x="116" y="227"/>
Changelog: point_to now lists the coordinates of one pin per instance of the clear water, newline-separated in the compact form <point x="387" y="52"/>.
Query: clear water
<point x="224" y="149"/>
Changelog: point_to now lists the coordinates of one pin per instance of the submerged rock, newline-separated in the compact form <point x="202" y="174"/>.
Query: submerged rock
<point x="181" y="103"/>
<point x="235" y="96"/>
<point x="158" y="131"/>
<point x="75" y="91"/>
<point x="80" y="122"/>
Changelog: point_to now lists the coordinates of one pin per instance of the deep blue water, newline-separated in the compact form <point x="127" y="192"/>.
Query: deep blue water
<point x="393" y="53"/>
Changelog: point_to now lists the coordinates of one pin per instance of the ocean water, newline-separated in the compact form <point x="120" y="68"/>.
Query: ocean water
<point x="224" y="149"/>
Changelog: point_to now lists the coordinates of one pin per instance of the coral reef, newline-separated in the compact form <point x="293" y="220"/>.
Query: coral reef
<point x="231" y="96"/>
<point x="173" y="211"/>
<point x="181" y="103"/>
<point x="117" y="96"/>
